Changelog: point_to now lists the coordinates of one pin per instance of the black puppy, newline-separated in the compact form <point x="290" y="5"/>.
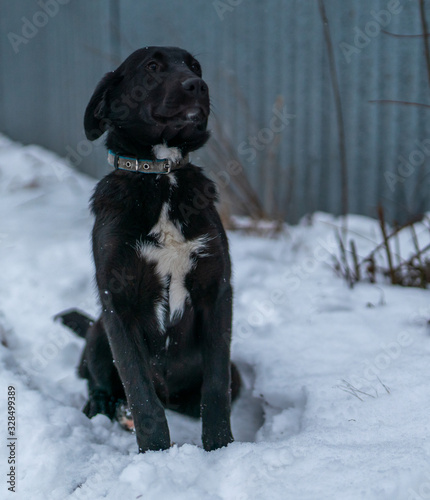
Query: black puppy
<point x="161" y="256"/>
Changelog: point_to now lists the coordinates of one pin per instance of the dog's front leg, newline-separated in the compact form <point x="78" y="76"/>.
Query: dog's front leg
<point x="216" y="392"/>
<point x="131" y="358"/>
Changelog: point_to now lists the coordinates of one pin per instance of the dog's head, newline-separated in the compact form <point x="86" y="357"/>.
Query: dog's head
<point x="155" y="96"/>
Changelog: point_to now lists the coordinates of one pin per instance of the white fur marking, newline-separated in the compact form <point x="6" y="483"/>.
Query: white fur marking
<point x="173" y="259"/>
<point x="161" y="304"/>
<point x="172" y="179"/>
<point x="162" y="152"/>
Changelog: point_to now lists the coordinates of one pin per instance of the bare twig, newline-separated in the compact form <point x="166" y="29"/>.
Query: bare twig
<point x="387" y="245"/>
<point x="382" y="244"/>
<point x="349" y="388"/>
<point x="397" y="244"/>
<point x="344" y="261"/>
<point x="426" y="46"/>
<point x="416" y="255"/>
<point x="371" y="269"/>
<point x="414" y="271"/>
<point x="416" y="245"/>
<point x="223" y="152"/>
<point x="403" y="103"/>
<point x="350" y="391"/>
<point x="269" y="200"/>
<point x="339" y="113"/>
<point x="384" y="386"/>
<point x="355" y="259"/>
<point x="399" y="35"/>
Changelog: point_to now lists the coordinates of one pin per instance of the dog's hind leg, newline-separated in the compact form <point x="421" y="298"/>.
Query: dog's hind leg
<point x="104" y="385"/>
<point x="96" y="364"/>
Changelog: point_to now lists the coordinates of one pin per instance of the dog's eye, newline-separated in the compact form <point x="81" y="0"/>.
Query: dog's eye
<point x="195" y="66"/>
<point x="152" y="66"/>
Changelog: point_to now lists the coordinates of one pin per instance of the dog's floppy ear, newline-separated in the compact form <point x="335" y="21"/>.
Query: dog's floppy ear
<point x="96" y="120"/>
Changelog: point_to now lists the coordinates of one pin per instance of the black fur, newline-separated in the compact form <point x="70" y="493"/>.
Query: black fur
<point x="76" y="320"/>
<point x="145" y="102"/>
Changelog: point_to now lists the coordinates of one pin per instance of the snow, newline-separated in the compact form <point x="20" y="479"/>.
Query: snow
<point x="304" y="342"/>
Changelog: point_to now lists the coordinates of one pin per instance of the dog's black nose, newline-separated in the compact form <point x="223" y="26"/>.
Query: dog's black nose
<point x="195" y="86"/>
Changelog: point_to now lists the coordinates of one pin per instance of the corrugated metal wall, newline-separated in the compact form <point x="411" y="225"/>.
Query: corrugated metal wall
<point x="257" y="57"/>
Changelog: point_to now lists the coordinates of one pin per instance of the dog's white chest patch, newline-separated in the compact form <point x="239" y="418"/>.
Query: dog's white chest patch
<point x="174" y="257"/>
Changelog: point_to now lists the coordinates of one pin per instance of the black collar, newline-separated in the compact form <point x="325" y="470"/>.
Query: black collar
<point x="164" y="166"/>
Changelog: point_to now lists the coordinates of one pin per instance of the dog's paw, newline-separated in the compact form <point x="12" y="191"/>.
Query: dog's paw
<point x="100" y="402"/>
<point x="217" y="439"/>
<point x="218" y="442"/>
<point x="124" y="417"/>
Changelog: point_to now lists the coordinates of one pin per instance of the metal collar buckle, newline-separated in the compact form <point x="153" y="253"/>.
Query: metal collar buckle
<point x="167" y="166"/>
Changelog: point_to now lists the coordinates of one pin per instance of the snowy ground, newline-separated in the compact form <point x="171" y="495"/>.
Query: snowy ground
<point x="300" y="337"/>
